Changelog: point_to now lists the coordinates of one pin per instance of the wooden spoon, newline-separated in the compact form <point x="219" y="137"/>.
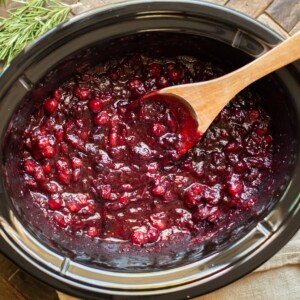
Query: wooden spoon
<point x="208" y="98"/>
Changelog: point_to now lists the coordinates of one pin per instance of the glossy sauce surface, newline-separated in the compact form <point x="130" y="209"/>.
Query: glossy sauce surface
<point x="96" y="168"/>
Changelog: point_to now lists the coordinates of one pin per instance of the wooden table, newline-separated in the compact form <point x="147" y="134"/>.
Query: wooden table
<point x="282" y="16"/>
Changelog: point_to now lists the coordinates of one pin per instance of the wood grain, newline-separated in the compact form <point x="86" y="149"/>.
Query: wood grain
<point x="251" y="8"/>
<point x="19" y="285"/>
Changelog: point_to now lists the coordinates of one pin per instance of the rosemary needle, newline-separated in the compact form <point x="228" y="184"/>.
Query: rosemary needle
<point x="3" y="2"/>
<point x="27" y="22"/>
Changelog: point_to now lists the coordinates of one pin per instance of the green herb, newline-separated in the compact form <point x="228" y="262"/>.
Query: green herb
<point x="3" y="2"/>
<point x="27" y="22"/>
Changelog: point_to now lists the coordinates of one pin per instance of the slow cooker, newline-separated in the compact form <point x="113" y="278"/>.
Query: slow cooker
<point x="122" y="28"/>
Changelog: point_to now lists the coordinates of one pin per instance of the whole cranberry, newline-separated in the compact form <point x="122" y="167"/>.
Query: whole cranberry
<point x="152" y="235"/>
<point x="174" y="75"/>
<point x="158" y="221"/>
<point x="136" y="86"/>
<point x="253" y="115"/>
<point x="76" y="174"/>
<point x="76" y="162"/>
<point x="50" y="105"/>
<point x="155" y="70"/>
<point x="42" y="142"/>
<point x="73" y="206"/>
<point x="92" y="231"/>
<point x="162" y="82"/>
<point x="240" y="167"/>
<point x="235" y="187"/>
<point x="139" y="238"/>
<point x="49" y="151"/>
<point x="159" y="190"/>
<point x="60" y="220"/>
<point x="82" y="93"/>
<point x="101" y="118"/>
<point x="39" y="175"/>
<point x="47" y="167"/>
<point x="57" y="94"/>
<point x="64" y="178"/>
<point x="30" y="166"/>
<point x="113" y="74"/>
<point x="95" y="105"/>
<point x="59" y="134"/>
<point x="55" y="203"/>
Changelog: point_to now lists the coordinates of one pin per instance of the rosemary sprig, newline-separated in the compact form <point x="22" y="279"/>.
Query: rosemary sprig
<point x="3" y="2"/>
<point x="27" y="22"/>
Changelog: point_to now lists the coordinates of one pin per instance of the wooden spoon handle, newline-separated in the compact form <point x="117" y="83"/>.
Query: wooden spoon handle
<point x="209" y="98"/>
<point x="281" y="55"/>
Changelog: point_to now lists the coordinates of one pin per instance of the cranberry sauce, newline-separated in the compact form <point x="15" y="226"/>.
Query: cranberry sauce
<point x="163" y="123"/>
<point x="99" y="170"/>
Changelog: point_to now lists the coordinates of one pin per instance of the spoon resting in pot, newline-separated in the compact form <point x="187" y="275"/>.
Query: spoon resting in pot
<point x="196" y="105"/>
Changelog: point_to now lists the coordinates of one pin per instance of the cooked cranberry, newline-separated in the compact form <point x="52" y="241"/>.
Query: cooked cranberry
<point x="253" y="115"/>
<point x="50" y="105"/>
<point x="152" y="167"/>
<point x="199" y="169"/>
<point x="92" y="231"/>
<point x="159" y="129"/>
<point x="136" y="86"/>
<point x="268" y="139"/>
<point x="261" y="131"/>
<point x="81" y="198"/>
<point x="152" y="235"/>
<point x="73" y="206"/>
<point x="64" y="148"/>
<point x="139" y="238"/>
<point x="240" y="167"/>
<point x="82" y="93"/>
<point x="158" y="221"/>
<point x="124" y="198"/>
<point x="162" y="82"/>
<point x="47" y="167"/>
<point x="76" y="174"/>
<point x="232" y="147"/>
<point x="55" y="203"/>
<point x="214" y="214"/>
<point x="155" y="70"/>
<point x="235" y="187"/>
<point x="95" y="105"/>
<point x="174" y="75"/>
<point x="113" y="74"/>
<point x="57" y="94"/>
<point x="30" y="166"/>
<point x="39" y="176"/>
<point x="159" y="190"/>
<point x="76" y="162"/>
<point x="42" y="142"/>
<point x="49" y="151"/>
<point x="64" y="178"/>
<point x="52" y="187"/>
<point x="60" y="220"/>
<point x="59" y="134"/>
<point x="104" y="191"/>
<point x="101" y="119"/>
<point x="251" y="202"/>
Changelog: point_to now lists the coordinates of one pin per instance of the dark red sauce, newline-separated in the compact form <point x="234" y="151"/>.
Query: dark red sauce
<point x="99" y="166"/>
